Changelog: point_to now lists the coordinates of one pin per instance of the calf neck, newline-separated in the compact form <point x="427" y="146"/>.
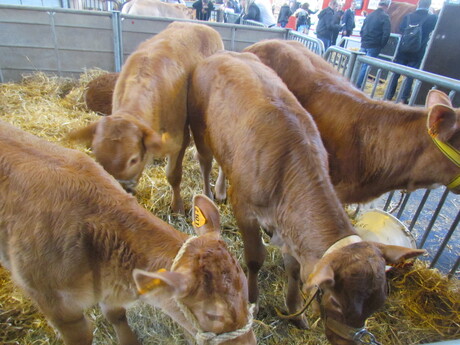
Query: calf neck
<point x="149" y="106"/>
<point x="72" y="238"/>
<point x="374" y="146"/>
<point x="270" y="150"/>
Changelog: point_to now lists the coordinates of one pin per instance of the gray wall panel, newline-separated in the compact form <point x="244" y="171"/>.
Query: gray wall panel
<point x="72" y="62"/>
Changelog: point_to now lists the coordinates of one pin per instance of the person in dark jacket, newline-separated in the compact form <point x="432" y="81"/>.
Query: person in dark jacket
<point x="413" y="59"/>
<point x="326" y="26"/>
<point x="348" y="20"/>
<point x="374" y="34"/>
<point x="283" y="16"/>
<point x="337" y="24"/>
<point x="203" y="9"/>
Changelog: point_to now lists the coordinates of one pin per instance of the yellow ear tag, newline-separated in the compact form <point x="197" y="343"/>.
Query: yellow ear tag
<point x="152" y="284"/>
<point x="199" y="220"/>
<point x="165" y="137"/>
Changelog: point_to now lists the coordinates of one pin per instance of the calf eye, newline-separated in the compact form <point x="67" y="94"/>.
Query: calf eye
<point x="133" y="161"/>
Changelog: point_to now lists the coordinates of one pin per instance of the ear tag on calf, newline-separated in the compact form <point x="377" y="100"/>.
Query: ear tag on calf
<point x="165" y="137"/>
<point x="155" y="282"/>
<point x="199" y="219"/>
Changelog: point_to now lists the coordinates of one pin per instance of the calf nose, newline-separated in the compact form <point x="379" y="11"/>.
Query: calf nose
<point x="129" y="186"/>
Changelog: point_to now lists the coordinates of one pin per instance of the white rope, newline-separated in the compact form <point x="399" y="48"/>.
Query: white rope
<point x="342" y="243"/>
<point x="203" y="338"/>
<point x="181" y="252"/>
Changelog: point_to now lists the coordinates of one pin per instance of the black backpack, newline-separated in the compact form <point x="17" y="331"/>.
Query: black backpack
<point x="411" y="39"/>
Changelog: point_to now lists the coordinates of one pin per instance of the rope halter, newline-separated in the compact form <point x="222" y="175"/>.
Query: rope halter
<point x="202" y="337"/>
<point x="450" y="152"/>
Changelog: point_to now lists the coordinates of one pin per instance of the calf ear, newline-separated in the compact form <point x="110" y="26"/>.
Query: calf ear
<point x="394" y="254"/>
<point x="152" y="141"/>
<point x="206" y="216"/>
<point x="85" y="134"/>
<point x="442" y="122"/>
<point x="172" y="283"/>
<point x="322" y="276"/>
<point x="437" y="97"/>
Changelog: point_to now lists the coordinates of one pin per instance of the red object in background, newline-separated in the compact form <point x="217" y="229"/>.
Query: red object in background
<point x="291" y="24"/>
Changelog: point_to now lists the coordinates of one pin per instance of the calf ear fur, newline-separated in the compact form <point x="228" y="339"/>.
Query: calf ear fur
<point x="394" y="254"/>
<point x="206" y="216"/>
<point x="173" y="283"/>
<point x="85" y="134"/>
<point x="442" y="119"/>
<point x="442" y="122"/>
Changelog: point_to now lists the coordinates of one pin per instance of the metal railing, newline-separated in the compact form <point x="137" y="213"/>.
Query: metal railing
<point x="252" y="23"/>
<point x="314" y="44"/>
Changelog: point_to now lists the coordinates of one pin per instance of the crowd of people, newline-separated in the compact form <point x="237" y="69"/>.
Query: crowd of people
<point x="332" y="21"/>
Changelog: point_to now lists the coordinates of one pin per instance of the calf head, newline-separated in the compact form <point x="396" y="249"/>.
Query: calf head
<point x="205" y="282"/>
<point x="444" y="128"/>
<point x="352" y="285"/>
<point x="122" y="145"/>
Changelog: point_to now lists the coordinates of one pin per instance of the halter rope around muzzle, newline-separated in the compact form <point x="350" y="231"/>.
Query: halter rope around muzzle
<point x="201" y="337"/>
<point x="450" y="152"/>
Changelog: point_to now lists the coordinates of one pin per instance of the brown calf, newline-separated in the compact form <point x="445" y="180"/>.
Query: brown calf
<point x="99" y="93"/>
<point x="156" y="8"/>
<point x="72" y="237"/>
<point x="374" y="146"/>
<point x="149" y="106"/>
<point x="270" y="149"/>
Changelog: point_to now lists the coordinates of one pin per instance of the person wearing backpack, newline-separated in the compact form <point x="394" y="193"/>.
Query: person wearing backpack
<point x="375" y="33"/>
<point x="416" y="28"/>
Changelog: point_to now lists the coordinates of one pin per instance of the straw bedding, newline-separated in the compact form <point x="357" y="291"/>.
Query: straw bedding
<point x="424" y="306"/>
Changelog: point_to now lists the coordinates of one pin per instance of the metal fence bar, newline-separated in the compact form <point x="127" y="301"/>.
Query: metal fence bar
<point x="314" y="44"/>
<point x="445" y="241"/>
<point x="433" y="218"/>
<point x="419" y="209"/>
<point x="117" y="41"/>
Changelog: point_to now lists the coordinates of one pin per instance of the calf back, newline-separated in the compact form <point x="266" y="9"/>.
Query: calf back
<point x="156" y="8"/>
<point x="363" y="165"/>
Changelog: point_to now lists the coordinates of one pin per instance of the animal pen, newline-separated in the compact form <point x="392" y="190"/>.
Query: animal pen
<point x="48" y="55"/>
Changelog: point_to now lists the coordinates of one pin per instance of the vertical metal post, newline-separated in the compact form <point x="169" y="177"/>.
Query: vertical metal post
<point x="55" y="43"/>
<point x="446" y="240"/>
<point x="117" y="40"/>
<point x="419" y="209"/>
<point x="434" y="218"/>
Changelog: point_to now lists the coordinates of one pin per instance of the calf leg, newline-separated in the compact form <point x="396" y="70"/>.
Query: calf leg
<point x="71" y="323"/>
<point x="205" y="157"/>
<point x="174" y="175"/>
<point x="293" y="297"/>
<point x="254" y="249"/>
<point x="221" y="188"/>
<point x="117" y="316"/>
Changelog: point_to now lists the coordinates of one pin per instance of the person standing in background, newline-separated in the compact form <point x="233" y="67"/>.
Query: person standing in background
<point x="348" y="20"/>
<point x="337" y="24"/>
<point x="259" y="11"/>
<point x="203" y="9"/>
<point x="374" y="34"/>
<point x="283" y="16"/>
<point x="326" y="26"/>
<point x="413" y="59"/>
